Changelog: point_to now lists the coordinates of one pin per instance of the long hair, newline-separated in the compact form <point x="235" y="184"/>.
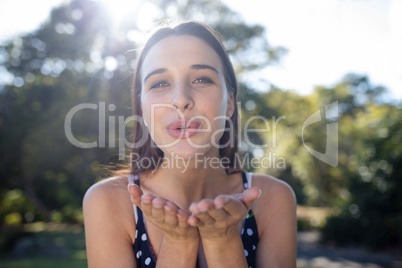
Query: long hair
<point x="146" y="147"/>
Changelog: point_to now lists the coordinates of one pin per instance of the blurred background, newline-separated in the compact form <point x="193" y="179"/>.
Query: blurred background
<point x="292" y="59"/>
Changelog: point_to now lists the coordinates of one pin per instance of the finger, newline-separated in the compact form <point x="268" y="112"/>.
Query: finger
<point x="221" y="200"/>
<point x="219" y="214"/>
<point x="249" y="195"/>
<point x="202" y="206"/>
<point x="203" y="218"/>
<point x="158" y="211"/>
<point x="136" y="193"/>
<point x="192" y="220"/>
<point x="201" y="212"/>
<point x="232" y="206"/>
<point x="182" y="220"/>
<point x="170" y="214"/>
<point x="146" y="204"/>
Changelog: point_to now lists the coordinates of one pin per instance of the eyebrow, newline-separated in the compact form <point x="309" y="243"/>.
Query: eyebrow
<point x="157" y="71"/>
<point x="194" y="67"/>
<point x="204" y="66"/>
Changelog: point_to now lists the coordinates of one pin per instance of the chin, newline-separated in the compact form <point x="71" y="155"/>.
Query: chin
<point x="185" y="151"/>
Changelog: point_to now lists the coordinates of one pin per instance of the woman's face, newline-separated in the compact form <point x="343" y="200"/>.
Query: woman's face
<point x="184" y="98"/>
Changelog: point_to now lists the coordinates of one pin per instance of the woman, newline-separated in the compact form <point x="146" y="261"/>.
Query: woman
<point x="187" y="204"/>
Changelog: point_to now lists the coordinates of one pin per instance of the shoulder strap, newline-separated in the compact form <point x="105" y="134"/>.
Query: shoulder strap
<point x="247" y="179"/>
<point x="134" y="179"/>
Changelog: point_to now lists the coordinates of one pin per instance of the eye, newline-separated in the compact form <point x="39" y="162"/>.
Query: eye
<point x="160" y="84"/>
<point x="203" y="80"/>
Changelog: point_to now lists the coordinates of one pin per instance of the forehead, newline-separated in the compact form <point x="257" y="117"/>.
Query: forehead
<point x="183" y="50"/>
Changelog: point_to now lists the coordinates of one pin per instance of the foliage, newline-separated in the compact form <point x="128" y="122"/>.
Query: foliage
<point x="373" y="215"/>
<point x="63" y="247"/>
<point x="49" y="77"/>
<point x="363" y="189"/>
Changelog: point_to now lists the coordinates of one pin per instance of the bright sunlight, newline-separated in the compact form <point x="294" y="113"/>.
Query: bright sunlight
<point x="140" y="11"/>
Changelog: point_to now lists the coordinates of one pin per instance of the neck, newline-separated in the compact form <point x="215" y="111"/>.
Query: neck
<point x="184" y="181"/>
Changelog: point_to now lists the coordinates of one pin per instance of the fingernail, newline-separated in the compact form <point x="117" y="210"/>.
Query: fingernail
<point x="157" y="206"/>
<point x="128" y="186"/>
<point x="204" y="210"/>
<point x="192" y="206"/>
<point x="168" y="208"/>
<point x="145" y="201"/>
<point x="260" y="193"/>
<point x="179" y="216"/>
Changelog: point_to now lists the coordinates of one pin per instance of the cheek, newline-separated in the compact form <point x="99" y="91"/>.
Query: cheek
<point x="147" y="102"/>
<point x="215" y="111"/>
<point x="147" y="113"/>
<point x="154" y="112"/>
<point x="216" y="103"/>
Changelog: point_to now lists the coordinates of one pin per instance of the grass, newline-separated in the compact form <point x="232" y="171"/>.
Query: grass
<point x="34" y="262"/>
<point x="42" y="245"/>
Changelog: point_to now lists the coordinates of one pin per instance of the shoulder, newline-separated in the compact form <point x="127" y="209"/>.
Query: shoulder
<point x="109" y="224"/>
<point x="108" y="192"/>
<point x="275" y="214"/>
<point x="277" y="202"/>
<point x="107" y="187"/>
<point x="109" y="200"/>
<point x="273" y="188"/>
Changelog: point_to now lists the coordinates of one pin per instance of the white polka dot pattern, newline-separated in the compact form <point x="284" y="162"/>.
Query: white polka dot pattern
<point x="144" y="237"/>
<point x="249" y="234"/>
<point x="249" y="231"/>
<point x="147" y="261"/>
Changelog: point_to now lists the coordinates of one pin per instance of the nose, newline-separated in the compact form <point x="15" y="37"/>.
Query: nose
<point x="182" y="98"/>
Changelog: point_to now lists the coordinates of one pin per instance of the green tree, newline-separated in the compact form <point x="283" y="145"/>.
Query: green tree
<point x="371" y="214"/>
<point x="52" y="70"/>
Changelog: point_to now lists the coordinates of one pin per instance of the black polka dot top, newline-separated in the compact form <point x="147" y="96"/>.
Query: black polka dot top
<point x="144" y="253"/>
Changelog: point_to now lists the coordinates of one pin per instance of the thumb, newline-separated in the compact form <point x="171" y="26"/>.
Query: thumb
<point x="249" y="195"/>
<point x="136" y="193"/>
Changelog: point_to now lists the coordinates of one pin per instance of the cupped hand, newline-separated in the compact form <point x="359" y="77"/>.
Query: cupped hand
<point x="164" y="214"/>
<point x="217" y="219"/>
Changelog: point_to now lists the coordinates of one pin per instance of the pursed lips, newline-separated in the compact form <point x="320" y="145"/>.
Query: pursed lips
<point x="183" y="128"/>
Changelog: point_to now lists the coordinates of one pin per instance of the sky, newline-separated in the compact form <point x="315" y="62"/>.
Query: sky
<point x="325" y="39"/>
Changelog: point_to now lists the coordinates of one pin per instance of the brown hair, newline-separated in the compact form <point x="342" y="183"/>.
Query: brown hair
<point x="213" y="39"/>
